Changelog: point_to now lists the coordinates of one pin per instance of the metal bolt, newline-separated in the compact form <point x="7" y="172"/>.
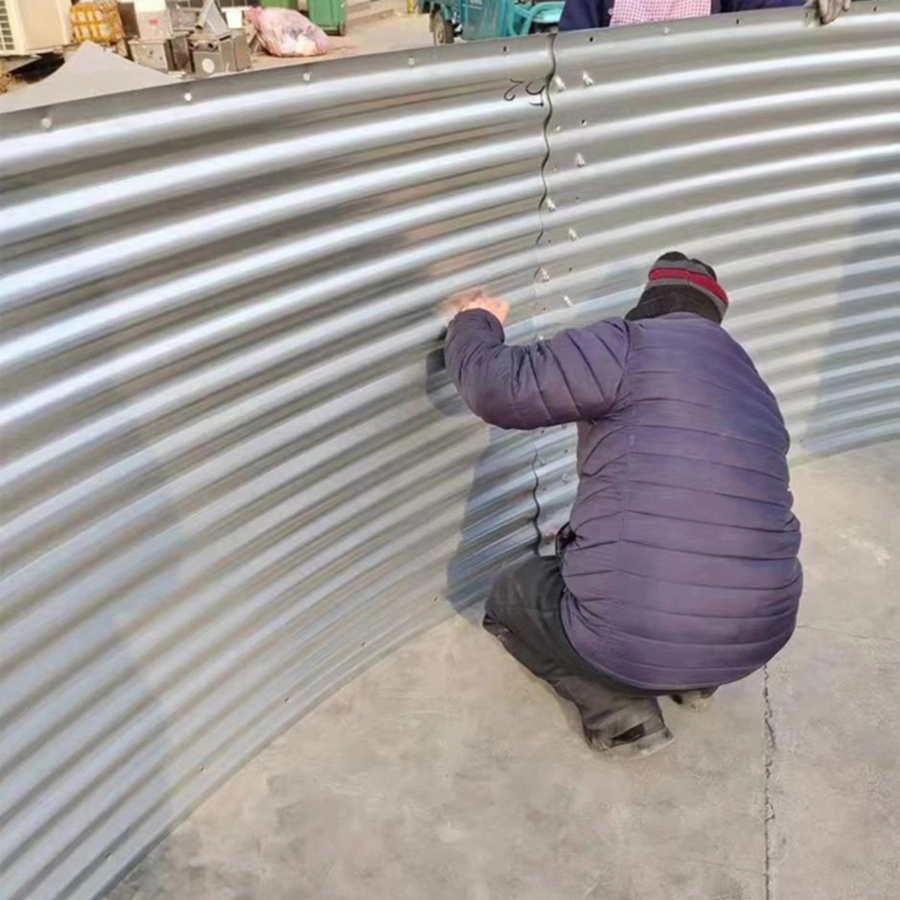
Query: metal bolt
<point x="188" y="97"/>
<point x="46" y="122"/>
<point x="567" y="300"/>
<point x="588" y="81"/>
<point x="559" y="84"/>
<point x="306" y="76"/>
<point x="551" y="205"/>
<point x="579" y="161"/>
<point x="543" y="274"/>
<point x="411" y="61"/>
<point x="573" y="234"/>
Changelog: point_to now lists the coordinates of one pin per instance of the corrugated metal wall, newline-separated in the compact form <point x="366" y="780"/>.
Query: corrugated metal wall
<point x="769" y="147"/>
<point x="234" y="471"/>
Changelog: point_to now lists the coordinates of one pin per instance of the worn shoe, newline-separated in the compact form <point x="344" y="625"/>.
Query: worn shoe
<point x="636" y="743"/>
<point x="695" y="700"/>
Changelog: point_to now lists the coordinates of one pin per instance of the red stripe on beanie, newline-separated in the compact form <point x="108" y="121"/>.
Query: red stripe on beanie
<point x="702" y="281"/>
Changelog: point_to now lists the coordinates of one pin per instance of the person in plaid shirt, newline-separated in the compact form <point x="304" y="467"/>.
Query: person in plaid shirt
<point x="579" y="15"/>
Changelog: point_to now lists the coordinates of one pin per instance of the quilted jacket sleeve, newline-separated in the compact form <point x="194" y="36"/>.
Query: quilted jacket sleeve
<point x="574" y="376"/>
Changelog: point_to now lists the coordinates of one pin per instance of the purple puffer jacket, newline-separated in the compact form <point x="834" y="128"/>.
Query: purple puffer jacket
<point x="680" y="561"/>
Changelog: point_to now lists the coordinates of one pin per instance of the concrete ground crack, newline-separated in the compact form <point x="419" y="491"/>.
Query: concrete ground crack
<point x="769" y="760"/>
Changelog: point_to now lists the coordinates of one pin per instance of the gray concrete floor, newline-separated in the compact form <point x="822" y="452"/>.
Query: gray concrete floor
<point x="447" y="772"/>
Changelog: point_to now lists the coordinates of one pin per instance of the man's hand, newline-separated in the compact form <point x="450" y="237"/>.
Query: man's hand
<point x="829" y="10"/>
<point x="476" y="299"/>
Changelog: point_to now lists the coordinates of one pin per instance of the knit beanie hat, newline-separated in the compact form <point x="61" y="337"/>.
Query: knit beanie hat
<point x="679" y="284"/>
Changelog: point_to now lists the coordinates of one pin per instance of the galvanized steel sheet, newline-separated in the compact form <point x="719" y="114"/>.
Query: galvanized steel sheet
<point x="769" y="147"/>
<point x="234" y="471"/>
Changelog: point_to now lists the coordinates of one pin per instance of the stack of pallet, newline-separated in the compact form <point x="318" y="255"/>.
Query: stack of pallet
<point x="98" y="21"/>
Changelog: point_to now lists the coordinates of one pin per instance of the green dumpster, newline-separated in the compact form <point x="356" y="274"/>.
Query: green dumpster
<point x="329" y="15"/>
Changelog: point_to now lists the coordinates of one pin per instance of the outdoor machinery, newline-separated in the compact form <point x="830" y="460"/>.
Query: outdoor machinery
<point x="474" y="20"/>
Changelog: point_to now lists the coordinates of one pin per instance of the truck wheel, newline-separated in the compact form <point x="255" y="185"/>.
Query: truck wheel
<point x="441" y="29"/>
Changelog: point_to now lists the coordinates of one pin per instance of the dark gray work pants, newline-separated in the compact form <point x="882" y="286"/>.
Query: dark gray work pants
<point x="523" y="612"/>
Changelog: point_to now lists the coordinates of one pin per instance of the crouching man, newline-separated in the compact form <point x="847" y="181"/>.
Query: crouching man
<point x="678" y="569"/>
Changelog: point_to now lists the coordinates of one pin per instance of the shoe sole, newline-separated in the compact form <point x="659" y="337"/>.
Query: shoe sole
<point x="643" y="747"/>
<point x="639" y="749"/>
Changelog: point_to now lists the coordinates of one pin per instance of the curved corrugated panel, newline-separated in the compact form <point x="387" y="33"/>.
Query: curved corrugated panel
<point x="769" y="147"/>
<point x="233" y="470"/>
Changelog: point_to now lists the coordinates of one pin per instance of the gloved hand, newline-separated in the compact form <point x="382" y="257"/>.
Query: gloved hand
<point x="829" y="10"/>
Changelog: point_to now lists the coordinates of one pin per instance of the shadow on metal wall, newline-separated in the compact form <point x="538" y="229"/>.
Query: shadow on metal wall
<point x="502" y="490"/>
<point x="859" y="376"/>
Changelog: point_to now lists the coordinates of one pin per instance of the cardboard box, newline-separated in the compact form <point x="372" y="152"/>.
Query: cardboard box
<point x="154" y="26"/>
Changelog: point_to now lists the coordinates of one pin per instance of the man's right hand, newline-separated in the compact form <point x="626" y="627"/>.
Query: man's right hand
<point x="829" y="10"/>
<point x="477" y="299"/>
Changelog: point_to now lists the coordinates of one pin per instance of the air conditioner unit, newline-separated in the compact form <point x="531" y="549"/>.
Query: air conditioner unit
<point x="34" y="26"/>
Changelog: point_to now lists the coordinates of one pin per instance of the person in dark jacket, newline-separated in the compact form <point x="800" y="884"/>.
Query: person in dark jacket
<point x="580" y="15"/>
<point x="678" y="571"/>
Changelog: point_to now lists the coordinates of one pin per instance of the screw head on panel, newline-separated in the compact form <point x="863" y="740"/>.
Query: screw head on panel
<point x="588" y="81"/>
<point x="543" y="275"/>
<point x="579" y="161"/>
<point x="567" y="300"/>
<point x="551" y="205"/>
<point x="573" y="234"/>
<point x="558" y="83"/>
